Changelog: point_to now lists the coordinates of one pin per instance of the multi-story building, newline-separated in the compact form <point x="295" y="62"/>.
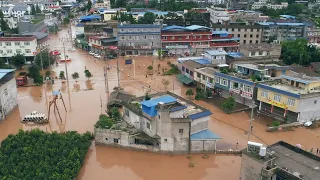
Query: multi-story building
<point x="225" y="40"/>
<point x="218" y="15"/>
<point x="282" y="31"/>
<point x="187" y="69"/>
<point x="166" y="122"/>
<point x="205" y="77"/>
<point x="291" y="97"/>
<point x="42" y="40"/>
<point x="18" y="11"/>
<point x="18" y="44"/>
<point x="313" y="34"/>
<point x="247" y="16"/>
<point x="248" y="34"/>
<point x="105" y="4"/>
<point x="137" y="39"/>
<point x="100" y="44"/>
<point x="279" y="161"/>
<point x="262" y="3"/>
<point x="216" y="57"/>
<point x="28" y="26"/>
<point x="8" y="92"/>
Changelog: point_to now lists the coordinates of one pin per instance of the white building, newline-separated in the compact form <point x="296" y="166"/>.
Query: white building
<point x="8" y="92"/>
<point x="216" y="56"/>
<point x="18" y="44"/>
<point x="105" y="4"/>
<point x="19" y="11"/>
<point x="262" y="3"/>
<point x="6" y="10"/>
<point x="218" y="15"/>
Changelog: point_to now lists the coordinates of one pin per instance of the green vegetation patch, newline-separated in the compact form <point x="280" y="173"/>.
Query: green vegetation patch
<point x="104" y="122"/>
<point x="39" y="155"/>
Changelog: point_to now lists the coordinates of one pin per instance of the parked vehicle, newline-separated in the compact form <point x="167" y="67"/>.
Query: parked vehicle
<point x="308" y="124"/>
<point x="91" y="53"/>
<point x="97" y="56"/>
<point x="22" y="79"/>
<point x="128" y="61"/>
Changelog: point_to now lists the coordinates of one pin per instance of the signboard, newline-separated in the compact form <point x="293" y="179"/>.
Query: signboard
<point x="278" y="104"/>
<point x="177" y="47"/>
<point x="113" y="47"/>
<point x="201" y="46"/>
<point x="246" y="95"/>
<point x="237" y="91"/>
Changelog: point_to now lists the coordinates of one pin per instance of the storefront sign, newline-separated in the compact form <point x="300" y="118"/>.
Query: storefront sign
<point x="201" y="46"/>
<point x="246" y="95"/>
<point x="278" y="104"/>
<point x="237" y="91"/>
<point x="177" y="47"/>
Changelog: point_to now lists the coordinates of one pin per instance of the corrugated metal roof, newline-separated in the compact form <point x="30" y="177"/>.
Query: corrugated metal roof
<point x="202" y="61"/>
<point x="172" y="27"/>
<point x="153" y="102"/>
<point x="4" y="72"/>
<point x="235" y="54"/>
<point x="195" y="27"/>
<point x="234" y="78"/>
<point x="204" y="135"/>
<point x="200" y="115"/>
<point x="216" y="52"/>
<point x="178" y="108"/>
<point x="80" y="25"/>
<point x="290" y="24"/>
<point x="296" y="79"/>
<point x="220" y="32"/>
<point x="138" y="26"/>
<point x="288" y="16"/>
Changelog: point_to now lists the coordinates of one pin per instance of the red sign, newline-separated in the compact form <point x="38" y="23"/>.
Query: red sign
<point x="113" y="47"/>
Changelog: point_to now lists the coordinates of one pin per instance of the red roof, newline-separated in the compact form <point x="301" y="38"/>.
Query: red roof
<point x="94" y="37"/>
<point x="19" y="38"/>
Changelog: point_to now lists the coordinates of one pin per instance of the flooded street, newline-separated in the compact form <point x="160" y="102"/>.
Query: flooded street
<point x="88" y="100"/>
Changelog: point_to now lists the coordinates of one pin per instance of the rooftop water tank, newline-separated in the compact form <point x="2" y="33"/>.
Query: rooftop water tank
<point x="263" y="151"/>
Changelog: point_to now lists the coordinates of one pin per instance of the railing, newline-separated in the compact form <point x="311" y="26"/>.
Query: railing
<point x="185" y="39"/>
<point x="225" y="44"/>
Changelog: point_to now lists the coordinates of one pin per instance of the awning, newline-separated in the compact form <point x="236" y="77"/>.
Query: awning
<point x="184" y="79"/>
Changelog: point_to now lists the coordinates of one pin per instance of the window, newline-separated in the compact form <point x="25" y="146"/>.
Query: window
<point x="187" y="70"/>
<point x="180" y="131"/>
<point x="315" y="102"/>
<point x="158" y="116"/>
<point x="148" y="125"/>
<point x="250" y="42"/>
<point x="115" y="140"/>
<point x="28" y="50"/>
<point x="203" y="77"/>
<point x="238" y="35"/>
<point x="260" y="53"/>
<point x="239" y="29"/>
<point x="217" y="79"/>
<point x="8" y="43"/>
<point x="126" y="112"/>
<point x="290" y="102"/>
<point x="247" y="88"/>
<point x="232" y="29"/>
<point x="257" y="41"/>
<point x="1" y="51"/>
<point x="183" y="68"/>
<point x="245" y="35"/>
<point x="251" y="35"/>
<point x="191" y="73"/>
<point x="18" y="51"/>
<point x="0" y="43"/>
<point x="251" y="30"/>
<point x="27" y="43"/>
<point x="264" y="94"/>
<point x="106" y="139"/>
<point x="235" y="85"/>
<point x="210" y="80"/>
<point x="244" y="41"/>
<point x="277" y="98"/>
<point x="165" y="140"/>
<point x="172" y="38"/>
<point x="17" y="43"/>
<point x="198" y="75"/>
<point x="223" y="82"/>
<point x="9" y="51"/>
<point x="257" y="36"/>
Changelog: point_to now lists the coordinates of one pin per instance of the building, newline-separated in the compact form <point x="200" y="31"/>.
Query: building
<point x="139" y="39"/>
<point x="291" y="97"/>
<point x="42" y="40"/>
<point x="216" y="57"/>
<point x="279" y="32"/>
<point x="255" y="53"/>
<point x="18" y="11"/>
<point x="218" y="15"/>
<point x="186" y="40"/>
<point x="262" y="3"/>
<point x="6" y="10"/>
<point x="315" y="66"/>
<point x="248" y="34"/>
<point x="313" y="34"/>
<point x="187" y="69"/>
<point x="165" y="123"/>
<point x="225" y="40"/>
<point x="101" y="45"/>
<point x="12" y="45"/>
<point x="279" y="161"/>
<point x="247" y="16"/>
<point x="105" y="4"/>
<point x="28" y="26"/>
<point x="205" y="77"/>
<point x="8" y="92"/>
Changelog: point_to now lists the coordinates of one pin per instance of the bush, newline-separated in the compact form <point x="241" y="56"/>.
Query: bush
<point x="38" y="155"/>
<point x="104" y="122"/>
<point x="275" y="123"/>
<point x="229" y="105"/>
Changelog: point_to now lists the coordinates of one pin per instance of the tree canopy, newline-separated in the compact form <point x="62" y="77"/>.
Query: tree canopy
<point x="299" y="52"/>
<point x="46" y="59"/>
<point x="18" y="61"/>
<point x="229" y="105"/>
<point x="148" y="18"/>
<point x="292" y="9"/>
<point x="34" y="73"/>
<point x="38" y="155"/>
<point x="89" y="5"/>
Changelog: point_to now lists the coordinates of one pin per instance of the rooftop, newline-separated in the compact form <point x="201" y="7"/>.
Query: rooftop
<point x="155" y="101"/>
<point x="138" y="26"/>
<point x="39" y="35"/>
<point x="304" y="70"/>
<point x="207" y="70"/>
<point x="255" y="67"/>
<point x="259" y="47"/>
<point x="4" y="72"/>
<point x="192" y="64"/>
<point x="216" y="52"/>
<point x="205" y="134"/>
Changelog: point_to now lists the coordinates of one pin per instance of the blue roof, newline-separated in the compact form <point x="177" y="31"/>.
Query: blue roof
<point x="235" y="54"/>
<point x="290" y="24"/>
<point x="216" y="52"/>
<point x="288" y="16"/>
<point x="202" y="61"/>
<point x="263" y="86"/>
<point x="172" y="27"/>
<point x="138" y="26"/>
<point x="80" y="25"/>
<point x="266" y="23"/>
<point x="4" y="72"/>
<point x="220" y="32"/>
<point x="178" y="108"/>
<point x="195" y="27"/>
<point x="204" y="135"/>
<point x="234" y="78"/>
<point x="230" y="39"/>
<point x="153" y="102"/>
<point x="200" y="115"/>
<point x="90" y="17"/>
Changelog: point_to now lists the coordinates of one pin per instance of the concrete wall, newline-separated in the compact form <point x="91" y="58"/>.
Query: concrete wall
<point x="107" y="136"/>
<point x="199" y="145"/>
<point x="181" y="140"/>
<point x="250" y="168"/>
<point x="176" y="114"/>
<point x="309" y="109"/>
<point x="133" y="118"/>
<point x="8" y="95"/>
<point x="164" y="129"/>
<point x="199" y="124"/>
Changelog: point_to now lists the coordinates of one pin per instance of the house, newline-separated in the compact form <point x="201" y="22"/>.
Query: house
<point x="225" y="41"/>
<point x="278" y="161"/>
<point x="18" y="11"/>
<point x="8" y="92"/>
<point x="205" y="77"/>
<point x="139" y="39"/>
<point x="28" y="26"/>
<point x="216" y="56"/>
<point x="187" y="69"/>
<point x="42" y="39"/>
<point x="165" y="123"/>
<point x="292" y="98"/>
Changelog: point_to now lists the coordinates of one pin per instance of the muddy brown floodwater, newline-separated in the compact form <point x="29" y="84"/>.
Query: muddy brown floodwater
<point x="88" y="100"/>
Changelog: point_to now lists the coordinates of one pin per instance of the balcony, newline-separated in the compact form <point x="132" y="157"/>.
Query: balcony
<point x="186" y="38"/>
<point x="224" y="44"/>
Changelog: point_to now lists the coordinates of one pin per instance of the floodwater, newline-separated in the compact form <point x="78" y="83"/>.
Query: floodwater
<point x="88" y="99"/>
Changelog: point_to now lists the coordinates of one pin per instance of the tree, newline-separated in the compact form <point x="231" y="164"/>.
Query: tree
<point x="147" y="97"/>
<point x="4" y="25"/>
<point x="34" y="73"/>
<point x="66" y="21"/>
<point x="38" y="10"/>
<point x="18" y="61"/>
<point x="48" y="73"/>
<point x="148" y="18"/>
<point x="189" y="93"/>
<point x="75" y="76"/>
<point x="63" y="157"/>
<point x="229" y="105"/>
<point x="114" y="113"/>
<point x="47" y="60"/>
<point x="61" y="75"/>
<point x="89" y="5"/>
<point x="33" y="10"/>
<point x="150" y="68"/>
<point x="87" y="74"/>
<point x="104" y="122"/>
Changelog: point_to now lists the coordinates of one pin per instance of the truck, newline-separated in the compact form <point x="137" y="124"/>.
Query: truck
<point x="22" y="79"/>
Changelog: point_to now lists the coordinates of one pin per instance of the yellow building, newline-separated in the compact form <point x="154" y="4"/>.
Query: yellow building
<point x="292" y="98"/>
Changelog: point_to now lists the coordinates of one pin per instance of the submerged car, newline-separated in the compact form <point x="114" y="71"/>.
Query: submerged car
<point x="308" y="124"/>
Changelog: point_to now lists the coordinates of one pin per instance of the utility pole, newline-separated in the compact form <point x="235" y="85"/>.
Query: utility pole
<point x="134" y="68"/>
<point x="106" y="79"/>
<point x="118" y="69"/>
<point x="66" y="69"/>
<point x="251" y="120"/>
